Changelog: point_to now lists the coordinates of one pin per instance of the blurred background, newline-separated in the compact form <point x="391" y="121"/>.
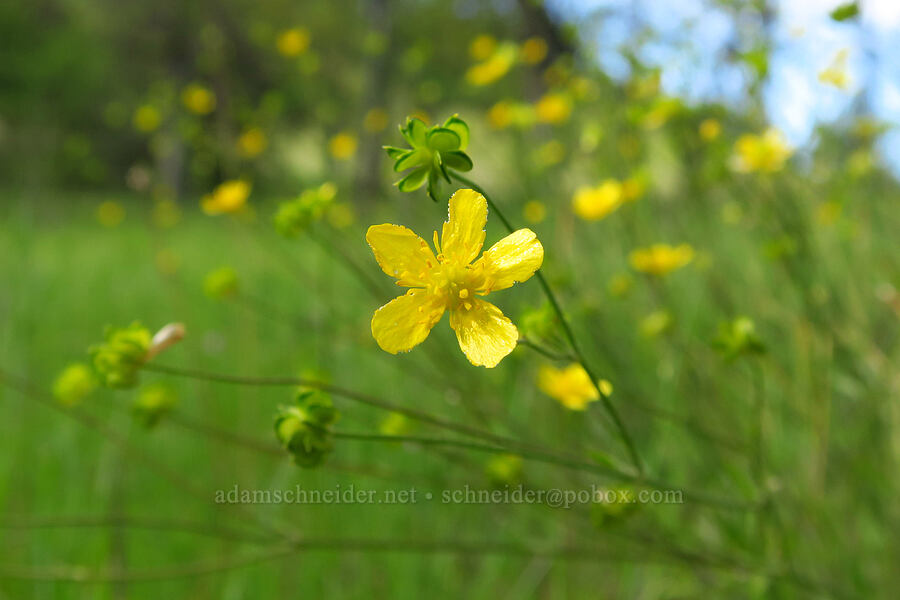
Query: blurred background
<point x="148" y="149"/>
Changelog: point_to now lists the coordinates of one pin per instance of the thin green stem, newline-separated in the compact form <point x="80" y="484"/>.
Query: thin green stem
<point x="570" y="335"/>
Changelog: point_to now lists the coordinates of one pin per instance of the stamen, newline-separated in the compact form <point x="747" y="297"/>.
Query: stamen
<point x="463" y="293"/>
<point x="437" y="244"/>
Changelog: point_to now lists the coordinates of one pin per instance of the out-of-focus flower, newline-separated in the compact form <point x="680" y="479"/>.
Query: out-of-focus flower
<point x="74" y="384"/>
<point x="110" y="213"/>
<point x="613" y="504"/>
<point x="433" y="155"/>
<point x="294" y="216"/>
<point x="506" y="113"/>
<point x="451" y="282"/>
<point x="153" y="402"/>
<point x="293" y="42"/>
<point x="252" y="142"/>
<point x="494" y="67"/>
<point x="660" y="112"/>
<point x="644" y="86"/>
<point x="228" y="197"/>
<point x="660" y="259"/>
<point x="341" y="215"/>
<point x="836" y="73"/>
<point x="620" y="284"/>
<point x="504" y="469"/>
<point x="710" y="129"/>
<point x="656" y="323"/>
<point x="738" y="337"/>
<point x="343" y="145"/>
<point x="166" y="213"/>
<point x="221" y="283"/>
<point x="828" y="212"/>
<point x="764" y="153"/>
<point x="395" y="423"/>
<point x="635" y="186"/>
<point x="534" y="211"/>
<point x="482" y="46"/>
<point x="304" y="429"/>
<point x="198" y="99"/>
<point x="146" y="118"/>
<point x="376" y="120"/>
<point x="118" y="359"/>
<point x="533" y="50"/>
<point x="595" y="203"/>
<point x="553" y="108"/>
<point x="571" y="386"/>
<point x="549" y="154"/>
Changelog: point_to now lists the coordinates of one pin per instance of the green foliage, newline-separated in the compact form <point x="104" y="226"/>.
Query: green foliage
<point x="118" y="359"/>
<point x="294" y="216"/>
<point x="845" y="12"/>
<point x="221" y="283"/>
<point x="74" y="384"/>
<point x="433" y="154"/>
<point x="153" y="402"/>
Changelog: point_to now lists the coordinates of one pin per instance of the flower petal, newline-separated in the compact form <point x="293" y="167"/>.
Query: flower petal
<point x="463" y="233"/>
<point x="513" y="259"/>
<point x="401" y="253"/>
<point x="484" y="333"/>
<point x="405" y="321"/>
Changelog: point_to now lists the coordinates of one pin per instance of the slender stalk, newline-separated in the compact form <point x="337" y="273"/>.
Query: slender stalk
<point x="570" y="335"/>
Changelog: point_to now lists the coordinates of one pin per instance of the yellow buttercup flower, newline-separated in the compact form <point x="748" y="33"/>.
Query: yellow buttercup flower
<point x="553" y="108"/>
<point x="533" y="50"/>
<point x="710" y="129"/>
<point x="146" y="118"/>
<point x="110" y="213"/>
<point x="451" y="282"/>
<point x="482" y="47"/>
<point x="534" y="211"/>
<point x="343" y="145"/>
<point x="252" y="142"/>
<point x="660" y="259"/>
<point x="594" y="203"/>
<point x="764" y="153"/>
<point x="229" y="197"/>
<point x="836" y="73"/>
<point x="494" y="67"/>
<point x="293" y="42"/>
<point x="571" y="386"/>
<point x="198" y="99"/>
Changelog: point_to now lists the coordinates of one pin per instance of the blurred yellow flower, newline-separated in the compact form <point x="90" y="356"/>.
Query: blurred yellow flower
<point x="146" y="118"/>
<point x="504" y="468"/>
<point x="494" y="67"/>
<point x="571" y="386"/>
<point x="634" y="187"/>
<point x="553" y="108"/>
<point x="110" y="213"/>
<point x="534" y="211"/>
<point x="660" y="259"/>
<point x="663" y="109"/>
<point x="451" y="282"/>
<point x="198" y="99"/>
<point x="620" y="284"/>
<point x="549" y="154"/>
<point x="836" y="73"/>
<point x="166" y="213"/>
<point x="376" y="120"/>
<point x="341" y="215"/>
<point x="252" y="142"/>
<point x="710" y="129"/>
<point x="293" y="42"/>
<point x="395" y="423"/>
<point x="533" y="50"/>
<point x="482" y="47"/>
<point x="595" y="203"/>
<point x="656" y="323"/>
<point x="229" y="197"/>
<point x="764" y="153"/>
<point x="343" y="145"/>
<point x="506" y="113"/>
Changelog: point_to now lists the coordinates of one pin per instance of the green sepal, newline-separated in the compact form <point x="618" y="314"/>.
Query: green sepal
<point x="461" y="129"/>
<point x="411" y="159"/>
<point x="415" y="132"/>
<point x="394" y="152"/>
<point x="457" y="160"/>
<point x="414" y="180"/>
<point x="441" y="139"/>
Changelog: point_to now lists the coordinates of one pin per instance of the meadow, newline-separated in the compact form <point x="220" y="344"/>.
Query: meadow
<point x="700" y="398"/>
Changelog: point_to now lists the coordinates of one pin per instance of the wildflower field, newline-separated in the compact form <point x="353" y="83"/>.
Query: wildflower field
<point x="229" y="234"/>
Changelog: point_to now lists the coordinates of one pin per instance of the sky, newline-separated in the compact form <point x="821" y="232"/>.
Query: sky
<point x="806" y="41"/>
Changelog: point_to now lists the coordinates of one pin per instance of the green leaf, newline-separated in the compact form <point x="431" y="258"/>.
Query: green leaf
<point x="414" y="180"/>
<point x="415" y="133"/>
<point x="456" y="160"/>
<point x="461" y="129"/>
<point x="845" y="11"/>
<point x="413" y="158"/>
<point x="394" y="153"/>
<point x="441" y="139"/>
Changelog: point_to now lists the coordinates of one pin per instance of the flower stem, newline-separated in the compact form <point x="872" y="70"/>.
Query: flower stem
<point x="567" y="331"/>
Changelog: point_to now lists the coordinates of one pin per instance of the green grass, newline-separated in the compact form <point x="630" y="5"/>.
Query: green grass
<point x="810" y="428"/>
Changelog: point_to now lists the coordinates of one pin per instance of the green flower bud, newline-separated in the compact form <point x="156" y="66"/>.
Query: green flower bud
<point x="304" y="429"/>
<point x="221" y="283"/>
<point x="117" y="360"/>
<point x="432" y="155"/>
<point x="295" y="216"/>
<point x="738" y="337"/>
<point x="153" y="402"/>
<point x="74" y="384"/>
<point x="504" y="469"/>
<point x="612" y="505"/>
